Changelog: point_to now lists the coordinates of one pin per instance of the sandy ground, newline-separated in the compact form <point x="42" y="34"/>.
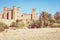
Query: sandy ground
<point x="31" y="34"/>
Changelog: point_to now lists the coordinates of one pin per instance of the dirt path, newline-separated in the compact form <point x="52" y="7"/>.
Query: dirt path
<point x="31" y="34"/>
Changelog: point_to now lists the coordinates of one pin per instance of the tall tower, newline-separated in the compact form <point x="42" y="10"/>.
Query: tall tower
<point x="5" y="12"/>
<point x="34" y="14"/>
<point x="16" y="12"/>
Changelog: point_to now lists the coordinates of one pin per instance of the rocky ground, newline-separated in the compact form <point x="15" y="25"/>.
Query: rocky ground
<point x="31" y="34"/>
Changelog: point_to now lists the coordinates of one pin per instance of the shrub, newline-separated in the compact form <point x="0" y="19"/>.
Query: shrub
<point x="1" y="29"/>
<point x="13" y="24"/>
<point x="35" y="24"/>
<point x="55" y="26"/>
<point x="58" y="21"/>
<point x="20" y="25"/>
<point x="17" y="24"/>
<point x="3" y="26"/>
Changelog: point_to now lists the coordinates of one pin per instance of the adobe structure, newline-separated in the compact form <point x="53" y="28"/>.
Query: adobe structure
<point x="14" y="14"/>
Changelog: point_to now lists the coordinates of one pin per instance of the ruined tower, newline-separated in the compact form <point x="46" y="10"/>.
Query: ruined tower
<point x="16" y="13"/>
<point x="5" y="12"/>
<point x="34" y="14"/>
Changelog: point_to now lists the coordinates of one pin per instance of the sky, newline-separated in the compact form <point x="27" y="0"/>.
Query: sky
<point x="51" y="6"/>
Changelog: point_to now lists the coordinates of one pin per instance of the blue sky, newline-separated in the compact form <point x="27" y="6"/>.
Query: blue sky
<point x="50" y="6"/>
